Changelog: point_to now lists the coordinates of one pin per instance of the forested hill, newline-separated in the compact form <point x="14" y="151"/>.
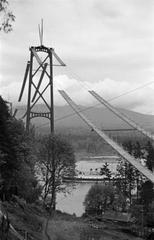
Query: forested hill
<point x="79" y="134"/>
<point x="103" y="118"/>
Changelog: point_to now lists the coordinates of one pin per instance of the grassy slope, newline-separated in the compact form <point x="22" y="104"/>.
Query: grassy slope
<point x="31" y="218"/>
<point x="64" y="227"/>
<point x="25" y="218"/>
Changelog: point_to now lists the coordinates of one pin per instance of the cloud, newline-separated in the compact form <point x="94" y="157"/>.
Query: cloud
<point x="104" y="42"/>
<point x="119" y="94"/>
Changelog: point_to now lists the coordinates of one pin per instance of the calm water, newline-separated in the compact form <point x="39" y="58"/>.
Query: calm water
<point x="73" y="202"/>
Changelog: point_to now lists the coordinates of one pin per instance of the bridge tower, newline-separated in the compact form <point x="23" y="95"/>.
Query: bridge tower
<point x="39" y="72"/>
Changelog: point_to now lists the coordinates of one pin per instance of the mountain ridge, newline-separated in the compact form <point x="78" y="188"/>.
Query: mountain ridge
<point x="103" y="118"/>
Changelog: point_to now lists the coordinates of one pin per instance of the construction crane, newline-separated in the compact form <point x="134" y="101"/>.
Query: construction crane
<point x="125" y="155"/>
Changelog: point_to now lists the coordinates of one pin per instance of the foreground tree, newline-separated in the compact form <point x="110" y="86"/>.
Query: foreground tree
<point x="99" y="198"/>
<point x="56" y="160"/>
<point x="147" y="194"/>
<point x="6" y="17"/>
<point x="150" y="155"/>
<point x="16" y="158"/>
<point x="143" y="210"/>
<point x="119" y="204"/>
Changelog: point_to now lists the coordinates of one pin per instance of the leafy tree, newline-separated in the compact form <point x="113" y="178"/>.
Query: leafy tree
<point x="137" y="150"/>
<point x="6" y="18"/>
<point x="146" y="188"/>
<point x="143" y="216"/>
<point x="56" y="160"/>
<point x="99" y="198"/>
<point x="132" y="178"/>
<point x="128" y="177"/>
<point x="106" y="171"/>
<point x="147" y="194"/>
<point x="16" y="158"/>
<point x="150" y="217"/>
<point x="137" y="213"/>
<point x="8" y="162"/>
<point x="119" y="203"/>
<point x="138" y="154"/>
<point x="150" y="155"/>
<point x="141" y="209"/>
<point x="125" y="179"/>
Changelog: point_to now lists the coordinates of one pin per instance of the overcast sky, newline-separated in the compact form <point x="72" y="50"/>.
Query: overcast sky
<point x="108" y="46"/>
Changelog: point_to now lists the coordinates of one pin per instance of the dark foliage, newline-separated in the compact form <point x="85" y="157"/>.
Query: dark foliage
<point x="128" y="177"/>
<point x="105" y="171"/>
<point x="7" y="17"/>
<point x="16" y="158"/>
<point x="147" y="194"/>
<point x="99" y="198"/>
<point x="56" y="160"/>
<point x="150" y="155"/>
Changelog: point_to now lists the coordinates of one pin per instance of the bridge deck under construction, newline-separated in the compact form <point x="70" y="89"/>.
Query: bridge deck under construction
<point x="125" y="155"/>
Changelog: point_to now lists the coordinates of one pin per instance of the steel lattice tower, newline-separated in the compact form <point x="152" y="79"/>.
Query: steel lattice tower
<point x="37" y="70"/>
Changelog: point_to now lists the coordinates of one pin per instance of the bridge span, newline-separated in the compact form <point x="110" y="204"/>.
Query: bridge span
<point x="119" y="149"/>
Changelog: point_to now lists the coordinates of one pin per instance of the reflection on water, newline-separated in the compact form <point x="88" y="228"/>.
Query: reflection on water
<point x="73" y="202"/>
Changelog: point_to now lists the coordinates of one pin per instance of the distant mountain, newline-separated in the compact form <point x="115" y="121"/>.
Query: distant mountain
<point x="66" y="119"/>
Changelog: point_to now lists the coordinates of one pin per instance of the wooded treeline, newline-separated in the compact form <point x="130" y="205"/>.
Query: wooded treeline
<point x="26" y="161"/>
<point x="89" y="142"/>
<point x="129" y="191"/>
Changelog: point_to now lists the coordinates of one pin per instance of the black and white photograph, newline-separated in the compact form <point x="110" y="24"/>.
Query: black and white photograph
<point x="77" y="120"/>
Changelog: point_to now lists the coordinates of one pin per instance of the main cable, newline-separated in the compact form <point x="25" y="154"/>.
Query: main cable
<point x="98" y="104"/>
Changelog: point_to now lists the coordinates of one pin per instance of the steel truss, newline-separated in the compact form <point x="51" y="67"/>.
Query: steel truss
<point x="125" y="155"/>
<point x="46" y="68"/>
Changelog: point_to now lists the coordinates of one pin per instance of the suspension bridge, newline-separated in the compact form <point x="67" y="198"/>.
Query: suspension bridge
<point x="39" y="70"/>
<point x="125" y="155"/>
<point x="45" y="66"/>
